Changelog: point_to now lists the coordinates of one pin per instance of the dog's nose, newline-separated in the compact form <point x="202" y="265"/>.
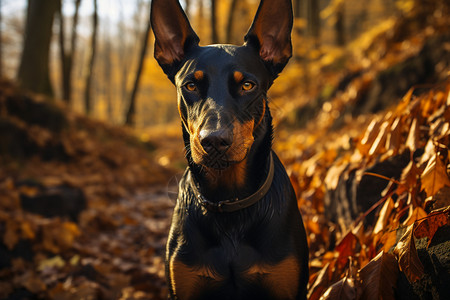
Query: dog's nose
<point x="215" y="140"/>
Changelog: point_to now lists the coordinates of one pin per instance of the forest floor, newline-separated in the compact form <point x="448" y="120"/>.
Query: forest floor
<point x="85" y="207"/>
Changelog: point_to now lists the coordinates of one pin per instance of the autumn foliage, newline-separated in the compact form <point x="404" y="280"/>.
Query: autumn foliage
<point x="361" y="259"/>
<point x="85" y="207"/>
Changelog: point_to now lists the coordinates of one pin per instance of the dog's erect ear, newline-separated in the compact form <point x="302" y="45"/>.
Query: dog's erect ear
<point x="173" y="34"/>
<point x="270" y="33"/>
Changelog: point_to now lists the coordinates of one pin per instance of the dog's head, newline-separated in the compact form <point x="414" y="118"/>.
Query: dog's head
<point x="222" y="88"/>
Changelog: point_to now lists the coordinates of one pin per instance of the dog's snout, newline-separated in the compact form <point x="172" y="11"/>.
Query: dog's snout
<point x="215" y="140"/>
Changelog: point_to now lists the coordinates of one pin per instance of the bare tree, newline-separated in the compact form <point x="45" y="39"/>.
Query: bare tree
<point x="67" y="57"/>
<point x="130" y="117"/>
<point x="107" y="71"/>
<point x="230" y="20"/>
<point x="1" y="37"/>
<point x="34" y="65"/>
<point x="214" y="34"/>
<point x="297" y="8"/>
<point x="314" y="21"/>
<point x="90" y="70"/>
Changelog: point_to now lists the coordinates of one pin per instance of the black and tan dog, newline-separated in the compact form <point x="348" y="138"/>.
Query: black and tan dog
<point x="236" y="230"/>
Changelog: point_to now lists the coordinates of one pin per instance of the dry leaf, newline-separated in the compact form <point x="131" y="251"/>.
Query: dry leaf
<point x="414" y="215"/>
<point x="383" y="218"/>
<point x="380" y="141"/>
<point x="342" y="290"/>
<point x="378" y="278"/>
<point x="434" y="177"/>
<point x="346" y="248"/>
<point x="321" y="282"/>
<point x="11" y="236"/>
<point x="407" y="257"/>
<point x="429" y="226"/>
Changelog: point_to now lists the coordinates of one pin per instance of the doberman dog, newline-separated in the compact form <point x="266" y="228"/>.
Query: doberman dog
<point x="236" y="230"/>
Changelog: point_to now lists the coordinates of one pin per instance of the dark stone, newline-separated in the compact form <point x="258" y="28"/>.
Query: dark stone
<point x="435" y="284"/>
<point x="352" y="197"/>
<point x="59" y="201"/>
<point x="43" y="114"/>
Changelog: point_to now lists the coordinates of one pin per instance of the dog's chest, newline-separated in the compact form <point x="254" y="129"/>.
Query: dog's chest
<point x="229" y="256"/>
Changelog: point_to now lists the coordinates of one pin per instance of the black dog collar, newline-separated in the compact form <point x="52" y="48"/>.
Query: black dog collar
<point x="237" y="204"/>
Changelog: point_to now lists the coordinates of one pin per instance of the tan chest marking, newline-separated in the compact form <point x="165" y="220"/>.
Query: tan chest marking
<point x="188" y="281"/>
<point x="282" y="278"/>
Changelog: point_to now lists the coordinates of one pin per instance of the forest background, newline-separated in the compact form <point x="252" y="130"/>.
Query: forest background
<point x="91" y="148"/>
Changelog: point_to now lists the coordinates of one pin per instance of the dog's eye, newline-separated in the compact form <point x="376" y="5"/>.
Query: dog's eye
<point x="190" y="86"/>
<point x="247" y="86"/>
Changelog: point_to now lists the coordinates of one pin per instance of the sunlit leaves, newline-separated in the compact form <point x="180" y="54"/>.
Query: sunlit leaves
<point x="407" y="257"/>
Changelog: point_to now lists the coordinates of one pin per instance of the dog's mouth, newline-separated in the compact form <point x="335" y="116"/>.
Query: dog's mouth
<point x="222" y="162"/>
<point x="219" y="160"/>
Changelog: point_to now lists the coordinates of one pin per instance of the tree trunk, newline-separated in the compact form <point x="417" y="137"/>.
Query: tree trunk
<point x="214" y="35"/>
<point x="33" y="72"/>
<point x="1" y="37"/>
<point x="297" y="8"/>
<point x="107" y="74"/>
<point x="67" y="57"/>
<point x="130" y="118"/>
<point x="314" y="21"/>
<point x="90" y="71"/>
<point x="339" y="26"/>
<point x="201" y="17"/>
<point x="230" y="20"/>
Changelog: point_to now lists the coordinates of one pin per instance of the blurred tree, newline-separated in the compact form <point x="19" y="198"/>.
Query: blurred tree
<point x="130" y="117"/>
<point x="107" y="71"/>
<point x="1" y="44"/>
<point x="214" y="34"/>
<point x="297" y="8"/>
<point x="230" y="21"/>
<point x="33" y="72"/>
<point x="90" y="69"/>
<point x="67" y="57"/>
<point x="339" y="24"/>
<point x="314" y="21"/>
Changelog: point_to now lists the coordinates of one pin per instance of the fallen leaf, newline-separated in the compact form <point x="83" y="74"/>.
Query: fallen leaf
<point x="383" y="218"/>
<point x="429" y="226"/>
<point x="11" y="236"/>
<point x="342" y="290"/>
<point x="53" y="262"/>
<point x="406" y="255"/>
<point x="380" y="141"/>
<point x="415" y="214"/>
<point x="346" y="248"/>
<point x="434" y="177"/>
<point x="378" y="278"/>
<point x="412" y="141"/>
<point x="321" y="282"/>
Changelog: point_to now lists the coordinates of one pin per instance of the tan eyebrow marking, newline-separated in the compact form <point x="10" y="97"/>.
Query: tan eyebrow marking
<point x="238" y="76"/>
<point x="199" y="75"/>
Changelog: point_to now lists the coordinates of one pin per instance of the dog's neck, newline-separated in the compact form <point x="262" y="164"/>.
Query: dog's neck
<point x="241" y="179"/>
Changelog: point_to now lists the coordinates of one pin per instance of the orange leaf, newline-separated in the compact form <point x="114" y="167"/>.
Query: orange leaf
<point x="380" y="141"/>
<point x="384" y="216"/>
<point x="434" y="177"/>
<point x="321" y="282"/>
<point x="409" y="177"/>
<point x="429" y="226"/>
<point x="414" y="215"/>
<point x="412" y="141"/>
<point x="407" y="257"/>
<point x="346" y="248"/>
<point x="379" y="277"/>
